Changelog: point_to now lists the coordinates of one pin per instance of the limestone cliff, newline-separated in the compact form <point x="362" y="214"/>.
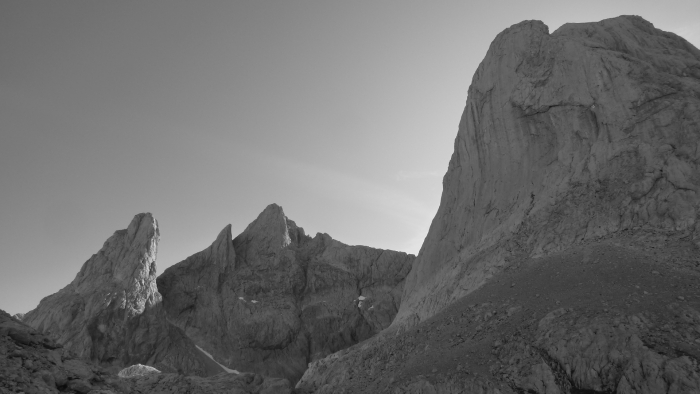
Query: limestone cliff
<point x="564" y="257"/>
<point x="273" y="299"/>
<point x="590" y="131"/>
<point x="111" y="312"/>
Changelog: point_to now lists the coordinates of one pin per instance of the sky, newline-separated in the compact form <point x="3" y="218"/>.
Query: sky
<point x="203" y="113"/>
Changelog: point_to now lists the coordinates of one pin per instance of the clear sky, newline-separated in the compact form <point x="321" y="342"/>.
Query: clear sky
<point x="204" y="112"/>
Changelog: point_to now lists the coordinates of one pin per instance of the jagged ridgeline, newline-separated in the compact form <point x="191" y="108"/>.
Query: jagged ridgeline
<point x="564" y="255"/>
<point x="269" y="301"/>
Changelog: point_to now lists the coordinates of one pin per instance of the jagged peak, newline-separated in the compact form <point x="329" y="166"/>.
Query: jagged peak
<point x="222" y="248"/>
<point x="128" y="254"/>
<point x="142" y="229"/>
<point x="271" y="231"/>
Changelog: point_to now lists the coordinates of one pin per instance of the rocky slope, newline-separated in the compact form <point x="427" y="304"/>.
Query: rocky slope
<point x="31" y="362"/>
<point x="273" y="299"/>
<point x="564" y="255"/>
<point x="111" y="312"/>
<point x="618" y="315"/>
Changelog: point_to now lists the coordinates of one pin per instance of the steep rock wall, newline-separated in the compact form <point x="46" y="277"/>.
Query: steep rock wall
<point x="566" y="137"/>
<point x="273" y="299"/>
<point x="111" y="312"/>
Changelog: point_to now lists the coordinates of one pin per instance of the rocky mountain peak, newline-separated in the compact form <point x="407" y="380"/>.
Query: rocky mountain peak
<point x="124" y="268"/>
<point x="270" y="233"/>
<point x="111" y="312"/>
<point x="565" y="138"/>
<point x="221" y="249"/>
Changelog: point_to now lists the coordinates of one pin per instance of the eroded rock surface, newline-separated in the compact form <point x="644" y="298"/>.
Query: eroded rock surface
<point x="111" y="312"/>
<point x="618" y="316"/>
<point x="566" y="137"/>
<point x="564" y="257"/>
<point x="273" y="299"/>
<point x="33" y="363"/>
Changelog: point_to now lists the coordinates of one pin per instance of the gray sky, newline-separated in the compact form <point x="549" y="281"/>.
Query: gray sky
<point x="203" y="113"/>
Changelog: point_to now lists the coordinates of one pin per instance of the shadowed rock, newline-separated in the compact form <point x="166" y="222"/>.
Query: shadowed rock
<point x="285" y="299"/>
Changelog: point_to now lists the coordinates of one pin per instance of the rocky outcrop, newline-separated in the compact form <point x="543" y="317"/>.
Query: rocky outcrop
<point x="568" y="137"/>
<point x="247" y="383"/>
<point x="273" y="299"/>
<point x="31" y="362"/>
<point x="618" y="316"/>
<point x="111" y="312"/>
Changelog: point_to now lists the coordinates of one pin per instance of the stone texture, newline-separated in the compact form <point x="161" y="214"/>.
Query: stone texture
<point x="568" y="137"/>
<point x="224" y="383"/>
<point x="137" y="370"/>
<point x="273" y="299"/>
<point x="111" y="312"/>
<point x="595" y="319"/>
<point x="31" y="367"/>
<point x="30" y="363"/>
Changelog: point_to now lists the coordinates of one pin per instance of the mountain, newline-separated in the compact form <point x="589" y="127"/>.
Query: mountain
<point x="273" y="299"/>
<point x="111" y="313"/>
<point x="564" y="255"/>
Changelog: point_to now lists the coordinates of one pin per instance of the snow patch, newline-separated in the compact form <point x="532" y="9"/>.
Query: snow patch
<point x="361" y="298"/>
<point x="229" y="370"/>
<point x="254" y="301"/>
<point x="241" y="298"/>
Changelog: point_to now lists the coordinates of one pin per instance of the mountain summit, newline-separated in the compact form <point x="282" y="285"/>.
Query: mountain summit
<point x="288" y="299"/>
<point x="567" y="137"/>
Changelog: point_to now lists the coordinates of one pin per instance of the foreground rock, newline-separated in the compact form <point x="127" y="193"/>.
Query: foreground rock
<point x="33" y="363"/>
<point x="224" y="383"/>
<point x="566" y="137"/>
<point x="273" y="299"/>
<point x="111" y="312"/>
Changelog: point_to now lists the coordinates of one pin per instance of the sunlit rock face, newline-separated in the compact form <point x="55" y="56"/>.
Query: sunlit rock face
<point x="567" y="137"/>
<point x="111" y="312"/>
<point x="273" y="299"/>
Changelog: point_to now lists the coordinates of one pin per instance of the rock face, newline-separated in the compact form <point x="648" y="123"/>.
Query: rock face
<point x="591" y="131"/>
<point x="111" y="313"/>
<point x="609" y="317"/>
<point x="31" y="362"/>
<point x="273" y="299"/>
<point x="564" y="257"/>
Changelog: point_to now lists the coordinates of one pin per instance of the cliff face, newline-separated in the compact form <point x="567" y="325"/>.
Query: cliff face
<point x="590" y="131"/>
<point x="273" y="299"/>
<point x="33" y="363"/>
<point x="564" y="257"/>
<point x="111" y="312"/>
